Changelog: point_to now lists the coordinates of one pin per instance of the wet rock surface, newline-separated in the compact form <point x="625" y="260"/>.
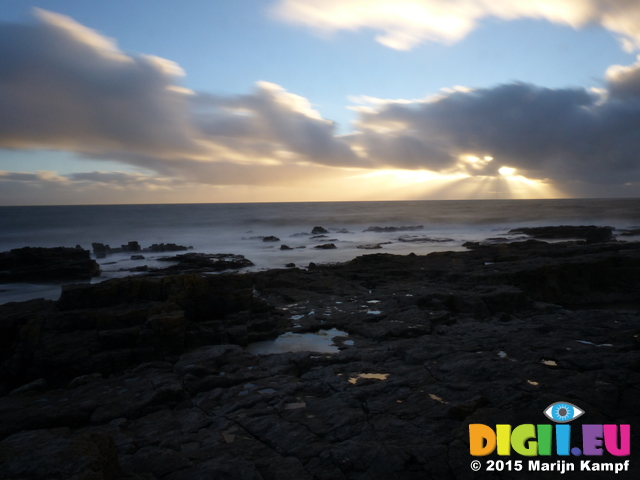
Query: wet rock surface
<point x="149" y="377"/>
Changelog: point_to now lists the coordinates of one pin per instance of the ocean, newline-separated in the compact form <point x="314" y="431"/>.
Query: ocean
<point x="234" y="228"/>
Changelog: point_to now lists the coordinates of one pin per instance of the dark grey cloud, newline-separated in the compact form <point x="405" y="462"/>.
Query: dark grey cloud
<point x="271" y="120"/>
<point x="559" y="134"/>
<point x="65" y="86"/>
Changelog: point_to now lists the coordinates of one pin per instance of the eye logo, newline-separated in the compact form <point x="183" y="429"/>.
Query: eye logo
<point x="563" y="412"/>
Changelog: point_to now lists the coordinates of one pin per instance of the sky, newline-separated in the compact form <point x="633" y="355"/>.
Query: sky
<point x="162" y="101"/>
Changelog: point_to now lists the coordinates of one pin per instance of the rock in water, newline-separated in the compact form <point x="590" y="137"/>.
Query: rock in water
<point x="411" y="228"/>
<point x="319" y="230"/>
<point x="590" y="233"/>
<point x="326" y="246"/>
<point x="204" y="262"/>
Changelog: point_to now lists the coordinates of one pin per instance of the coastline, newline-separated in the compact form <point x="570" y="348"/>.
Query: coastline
<point x="150" y="377"/>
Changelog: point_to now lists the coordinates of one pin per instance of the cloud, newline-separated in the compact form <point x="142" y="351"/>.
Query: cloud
<point x="565" y="135"/>
<point x="271" y="124"/>
<point x="64" y="86"/>
<point x="407" y="23"/>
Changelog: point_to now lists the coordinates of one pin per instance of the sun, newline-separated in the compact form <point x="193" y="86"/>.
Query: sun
<point x="402" y="184"/>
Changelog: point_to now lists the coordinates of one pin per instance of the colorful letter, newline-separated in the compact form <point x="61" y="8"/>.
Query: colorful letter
<point x="544" y="439"/>
<point x="504" y="439"/>
<point x="611" y="440"/>
<point x="522" y="435"/>
<point x="592" y="439"/>
<point x="563" y="439"/>
<point x="478" y="434"/>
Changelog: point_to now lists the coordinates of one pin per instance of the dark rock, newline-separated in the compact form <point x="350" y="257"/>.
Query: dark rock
<point x="47" y="264"/>
<point x="137" y="257"/>
<point x="204" y="262"/>
<point x="411" y="228"/>
<point x="39" y="385"/>
<point x="271" y="238"/>
<point x="590" y="233"/>
<point x="290" y="265"/>
<point x="100" y="250"/>
<point x="133" y="247"/>
<point x="58" y="454"/>
<point x="168" y="247"/>
<point x="319" y="230"/>
<point x="285" y="247"/>
<point x="422" y="239"/>
<point x="326" y="246"/>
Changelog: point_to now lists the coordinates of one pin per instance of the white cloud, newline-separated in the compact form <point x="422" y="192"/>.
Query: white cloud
<point x="407" y="23"/>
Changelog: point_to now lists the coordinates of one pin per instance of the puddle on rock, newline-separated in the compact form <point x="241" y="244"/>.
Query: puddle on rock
<point x="320" y="341"/>
<point x="376" y="376"/>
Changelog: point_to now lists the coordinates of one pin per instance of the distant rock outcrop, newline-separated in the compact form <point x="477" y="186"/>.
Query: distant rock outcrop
<point x="100" y="250"/>
<point x="325" y="246"/>
<point x="590" y="233"/>
<point x="412" y="228"/>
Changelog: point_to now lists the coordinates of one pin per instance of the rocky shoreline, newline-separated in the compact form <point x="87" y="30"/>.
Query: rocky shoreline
<point x="149" y="377"/>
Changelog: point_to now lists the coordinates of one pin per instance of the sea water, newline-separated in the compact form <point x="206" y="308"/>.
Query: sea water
<point x="234" y="228"/>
